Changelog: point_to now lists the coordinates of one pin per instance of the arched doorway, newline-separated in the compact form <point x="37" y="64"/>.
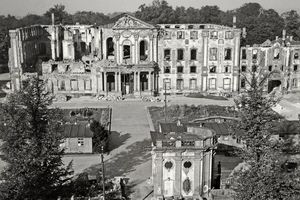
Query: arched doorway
<point x="110" y="48"/>
<point x="273" y="84"/>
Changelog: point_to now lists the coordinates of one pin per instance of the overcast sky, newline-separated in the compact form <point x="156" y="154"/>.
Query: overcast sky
<point x="23" y="7"/>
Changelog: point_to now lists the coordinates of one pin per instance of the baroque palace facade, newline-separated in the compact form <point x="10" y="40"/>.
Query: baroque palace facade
<point x="132" y="57"/>
<point x="127" y="57"/>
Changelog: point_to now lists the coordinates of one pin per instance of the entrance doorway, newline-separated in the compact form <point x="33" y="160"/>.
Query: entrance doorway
<point x="272" y="84"/>
<point x="127" y="83"/>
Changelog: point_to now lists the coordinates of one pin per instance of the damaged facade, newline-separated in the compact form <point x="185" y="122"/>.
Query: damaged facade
<point x="279" y="58"/>
<point x="128" y="57"/>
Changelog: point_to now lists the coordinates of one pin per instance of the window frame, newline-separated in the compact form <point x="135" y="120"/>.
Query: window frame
<point x="193" y="71"/>
<point x="179" y="67"/>
<point x="178" y="50"/>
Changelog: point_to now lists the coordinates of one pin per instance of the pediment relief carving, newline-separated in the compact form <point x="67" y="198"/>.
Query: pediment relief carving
<point x="129" y="22"/>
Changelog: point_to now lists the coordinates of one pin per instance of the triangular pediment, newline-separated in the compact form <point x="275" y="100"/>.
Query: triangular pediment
<point x="130" y="22"/>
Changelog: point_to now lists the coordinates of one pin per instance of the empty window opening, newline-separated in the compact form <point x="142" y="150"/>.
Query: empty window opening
<point x="212" y="69"/>
<point x="194" y="35"/>
<point x="53" y="67"/>
<point x="276" y="53"/>
<point x="270" y="68"/>
<point x="254" y="54"/>
<point x="243" y="83"/>
<point x="244" y="68"/>
<point x="193" y="69"/>
<point x="126" y="51"/>
<point x="296" y="56"/>
<point x="190" y="26"/>
<point x="61" y="85"/>
<point x="244" y="54"/>
<point x="74" y="84"/>
<point x="227" y="54"/>
<point x="167" y="54"/>
<point x="167" y="69"/>
<point x="214" y="35"/>
<point x="179" y="54"/>
<point x="180" y="69"/>
<point x="179" y="84"/>
<point x="227" y="69"/>
<point x="254" y="68"/>
<point x="110" y="48"/>
<point x="213" y="54"/>
<point x="143" y="50"/>
<point x="295" y="68"/>
<point x="180" y="35"/>
<point x="193" y="54"/>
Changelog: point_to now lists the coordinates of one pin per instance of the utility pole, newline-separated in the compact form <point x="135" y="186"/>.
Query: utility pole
<point x="103" y="173"/>
<point x="165" y="102"/>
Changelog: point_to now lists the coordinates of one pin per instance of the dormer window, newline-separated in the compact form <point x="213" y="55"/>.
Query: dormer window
<point x="228" y="35"/>
<point x="194" y="35"/>
<point x="167" y="35"/>
<point x="214" y="35"/>
<point x="190" y="26"/>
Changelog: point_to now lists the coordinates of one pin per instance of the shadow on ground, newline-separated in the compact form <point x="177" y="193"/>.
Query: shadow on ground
<point x="116" y="140"/>
<point x="125" y="161"/>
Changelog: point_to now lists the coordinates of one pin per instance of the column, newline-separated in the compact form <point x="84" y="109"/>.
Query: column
<point x="99" y="79"/>
<point x="134" y="81"/>
<point x="150" y="81"/>
<point x="119" y="83"/>
<point x="151" y="49"/>
<point x="116" y="81"/>
<point x="197" y="173"/>
<point x="177" y="184"/>
<point x="105" y="82"/>
<point x="138" y="81"/>
<point x="155" y="46"/>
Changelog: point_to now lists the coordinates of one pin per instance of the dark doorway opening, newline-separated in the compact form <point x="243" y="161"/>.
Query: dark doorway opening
<point x="110" y="82"/>
<point x="272" y="84"/>
<point x="127" y="83"/>
<point x="144" y="81"/>
<point x="126" y="52"/>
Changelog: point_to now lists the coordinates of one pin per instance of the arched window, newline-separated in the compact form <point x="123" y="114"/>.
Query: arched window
<point x="143" y="50"/>
<point x="109" y="47"/>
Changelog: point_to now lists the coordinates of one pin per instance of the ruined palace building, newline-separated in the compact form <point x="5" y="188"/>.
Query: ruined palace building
<point x="132" y="57"/>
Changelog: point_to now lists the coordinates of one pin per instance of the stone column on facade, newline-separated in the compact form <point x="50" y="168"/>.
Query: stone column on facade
<point x="134" y="82"/>
<point x="236" y="62"/>
<point x="201" y="173"/>
<point x="150" y="81"/>
<point x="138" y="81"/>
<point x="197" y="173"/>
<point x="158" y="176"/>
<point x="100" y="85"/>
<point x="105" y="82"/>
<point x="151" y="48"/>
<point x="136" y="52"/>
<point x="155" y="34"/>
<point x="119" y="82"/>
<point x="177" y="184"/>
<point x="116" y="82"/>
<point x="205" y="61"/>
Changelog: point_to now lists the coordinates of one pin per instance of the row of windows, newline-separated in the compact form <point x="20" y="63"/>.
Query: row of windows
<point x="74" y="85"/>
<point x="276" y="55"/>
<point x="270" y="68"/>
<point x="193" y="69"/>
<point x="213" y="54"/>
<point x="212" y="84"/>
<point x="294" y="83"/>
<point x="194" y="35"/>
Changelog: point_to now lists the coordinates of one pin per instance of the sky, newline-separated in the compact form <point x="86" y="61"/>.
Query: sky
<point x="23" y="7"/>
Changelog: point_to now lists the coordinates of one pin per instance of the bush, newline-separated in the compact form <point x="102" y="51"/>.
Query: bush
<point x="200" y="95"/>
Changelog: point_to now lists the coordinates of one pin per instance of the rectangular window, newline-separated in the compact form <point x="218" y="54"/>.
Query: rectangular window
<point x="213" y="54"/>
<point x="228" y="35"/>
<point x="294" y="83"/>
<point x="167" y="70"/>
<point x="244" y="68"/>
<point x="180" y="35"/>
<point x="193" y="83"/>
<point x="296" y="56"/>
<point x="212" y="69"/>
<point x="88" y="84"/>
<point x="193" y="69"/>
<point x="80" y="142"/>
<point x="227" y="69"/>
<point x="295" y="68"/>
<point x="179" y="54"/>
<point x="180" y="69"/>
<point x="167" y="54"/>
<point x="167" y="83"/>
<point x="227" y="55"/>
<point x="179" y="84"/>
<point x="212" y="83"/>
<point x="254" y="54"/>
<point x="193" y="35"/>
<point x="193" y="54"/>
<point x="243" y="83"/>
<point x="226" y="83"/>
<point x="244" y="54"/>
<point x="61" y="85"/>
<point x="167" y="35"/>
<point x="74" y="85"/>
<point x="214" y="35"/>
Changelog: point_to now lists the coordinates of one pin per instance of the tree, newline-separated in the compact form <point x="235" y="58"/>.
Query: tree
<point x="61" y="16"/>
<point x="264" y="176"/>
<point x="31" y="136"/>
<point x="100" y="136"/>
<point x="292" y="23"/>
<point x="84" y="17"/>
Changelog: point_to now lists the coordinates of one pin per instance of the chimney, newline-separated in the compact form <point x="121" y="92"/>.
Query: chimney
<point x="234" y="21"/>
<point x="283" y="34"/>
<point x="52" y="18"/>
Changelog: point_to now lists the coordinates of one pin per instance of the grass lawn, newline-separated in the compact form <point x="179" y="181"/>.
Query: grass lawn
<point x="188" y="113"/>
